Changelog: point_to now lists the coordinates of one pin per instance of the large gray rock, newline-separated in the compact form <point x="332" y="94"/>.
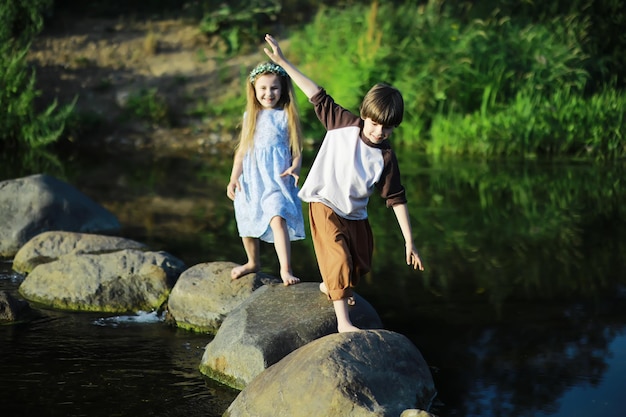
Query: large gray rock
<point x="39" y="203"/>
<point x="358" y="374"/>
<point x="205" y="294"/>
<point x="274" y="321"/>
<point x="117" y="282"/>
<point x="49" y="246"/>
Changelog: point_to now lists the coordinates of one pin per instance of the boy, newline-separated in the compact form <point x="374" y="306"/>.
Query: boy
<point x="355" y="157"/>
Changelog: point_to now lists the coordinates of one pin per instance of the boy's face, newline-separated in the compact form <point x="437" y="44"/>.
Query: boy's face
<point x="267" y="89"/>
<point x="375" y="132"/>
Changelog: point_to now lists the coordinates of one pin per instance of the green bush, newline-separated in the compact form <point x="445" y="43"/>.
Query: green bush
<point x="20" y="123"/>
<point x="148" y="105"/>
<point x="441" y="65"/>
<point x="241" y="22"/>
<point x="560" y="123"/>
<point x="21" y="20"/>
<point x="486" y="78"/>
<point x="602" y="39"/>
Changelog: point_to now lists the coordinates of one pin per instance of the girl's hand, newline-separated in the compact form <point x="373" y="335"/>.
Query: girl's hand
<point x="293" y="172"/>
<point x="231" y="188"/>
<point x="276" y="55"/>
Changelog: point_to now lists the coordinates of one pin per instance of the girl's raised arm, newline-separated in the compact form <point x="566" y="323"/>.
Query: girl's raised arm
<point x="308" y="86"/>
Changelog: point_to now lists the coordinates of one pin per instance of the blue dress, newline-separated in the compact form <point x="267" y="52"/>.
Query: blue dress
<point x="264" y="193"/>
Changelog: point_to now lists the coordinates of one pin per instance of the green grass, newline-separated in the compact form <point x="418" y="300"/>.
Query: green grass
<point x="149" y="105"/>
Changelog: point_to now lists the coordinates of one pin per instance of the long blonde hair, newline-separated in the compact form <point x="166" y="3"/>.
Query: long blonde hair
<point x="287" y="102"/>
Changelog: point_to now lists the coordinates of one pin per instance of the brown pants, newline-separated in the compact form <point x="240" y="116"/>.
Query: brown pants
<point x="343" y="248"/>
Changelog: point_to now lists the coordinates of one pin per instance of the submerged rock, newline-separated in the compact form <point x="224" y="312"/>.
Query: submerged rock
<point x="13" y="309"/>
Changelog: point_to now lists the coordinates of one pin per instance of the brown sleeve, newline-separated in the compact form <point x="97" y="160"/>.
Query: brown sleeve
<point x="390" y="185"/>
<point x="331" y="114"/>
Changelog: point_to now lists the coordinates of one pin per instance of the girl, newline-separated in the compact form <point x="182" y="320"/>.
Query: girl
<point x="266" y="168"/>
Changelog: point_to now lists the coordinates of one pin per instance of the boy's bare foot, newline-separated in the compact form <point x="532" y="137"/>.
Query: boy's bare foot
<point x="351" y="300"/>
<point x="241" y="270"/>
<point x="289" y="279"/>
<point x="344" y="324"/>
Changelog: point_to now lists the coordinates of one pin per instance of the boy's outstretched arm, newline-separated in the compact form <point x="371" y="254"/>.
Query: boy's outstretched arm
<point x="412" y="257"/>
<point x="308" y="86"/>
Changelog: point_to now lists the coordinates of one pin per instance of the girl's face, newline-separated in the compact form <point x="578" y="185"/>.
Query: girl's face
<point x="267" y="89"/>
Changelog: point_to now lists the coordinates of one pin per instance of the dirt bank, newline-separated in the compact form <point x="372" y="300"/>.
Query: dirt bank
<point x="103" y="62"/>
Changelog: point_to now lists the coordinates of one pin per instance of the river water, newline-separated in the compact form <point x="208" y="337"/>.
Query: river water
<point x="521" y="310"/>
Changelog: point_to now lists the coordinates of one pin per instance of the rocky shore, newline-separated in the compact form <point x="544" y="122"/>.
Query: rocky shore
<point x="278" y="345"/>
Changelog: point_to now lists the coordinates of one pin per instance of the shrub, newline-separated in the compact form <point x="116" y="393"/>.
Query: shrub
<point x="559" y="123"/>
<point x="148" y="105"/>
<point x="20" y="20"/>
<point x="20" y="124"/>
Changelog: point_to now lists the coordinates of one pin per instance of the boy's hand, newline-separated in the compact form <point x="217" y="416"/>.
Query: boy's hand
<point x="276" y="54"/>
<point x="413" y="258"/>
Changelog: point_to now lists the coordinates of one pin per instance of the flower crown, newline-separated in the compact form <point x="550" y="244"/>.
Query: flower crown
<point x="265" y="68"/>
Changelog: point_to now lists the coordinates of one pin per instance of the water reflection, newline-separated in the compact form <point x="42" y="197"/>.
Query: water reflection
<point x="604" y="396"/>
<point x="521" y="306"/>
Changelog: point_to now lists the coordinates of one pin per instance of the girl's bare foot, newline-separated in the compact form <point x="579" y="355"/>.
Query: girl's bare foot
<point x="241" y="270"/>
<point x="289" y="279"/>
<point x="351" y="300"/>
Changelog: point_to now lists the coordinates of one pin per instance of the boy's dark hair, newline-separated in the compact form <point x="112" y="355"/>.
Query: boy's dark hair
<point x="383" y="104"/>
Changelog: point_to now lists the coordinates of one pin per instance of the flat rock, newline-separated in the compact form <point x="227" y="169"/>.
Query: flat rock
<point x="273" y="322"/>
<point x="117" y="282"/>
<point x="49" y="246"/>
<point x="205" y="294"/>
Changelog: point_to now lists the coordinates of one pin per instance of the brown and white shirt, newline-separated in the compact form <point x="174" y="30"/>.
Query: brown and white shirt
<point x="348" y="166"/>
